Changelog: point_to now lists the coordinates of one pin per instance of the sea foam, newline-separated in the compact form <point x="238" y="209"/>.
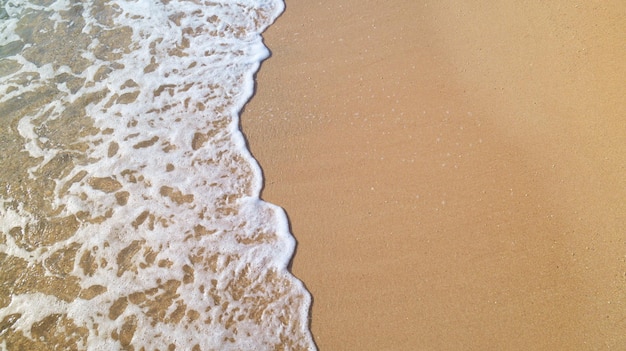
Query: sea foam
<point x="130" y="207"/>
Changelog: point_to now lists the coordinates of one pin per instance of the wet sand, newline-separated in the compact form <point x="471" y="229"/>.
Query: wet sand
<point x="453" y="171"/>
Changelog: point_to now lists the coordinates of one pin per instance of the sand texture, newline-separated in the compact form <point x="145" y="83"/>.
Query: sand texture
<point x="454" y="171"/>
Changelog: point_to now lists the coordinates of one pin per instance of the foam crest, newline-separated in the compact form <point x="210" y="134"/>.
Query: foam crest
<point x="130" y="205"/>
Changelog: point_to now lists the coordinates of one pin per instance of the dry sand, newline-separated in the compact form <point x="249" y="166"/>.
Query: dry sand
<point x="454" y="171"/>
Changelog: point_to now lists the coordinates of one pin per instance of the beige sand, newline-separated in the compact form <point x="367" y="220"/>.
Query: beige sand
<point x="454" y="171"/>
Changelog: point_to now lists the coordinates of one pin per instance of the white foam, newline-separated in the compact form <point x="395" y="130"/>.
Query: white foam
<point x="167" y="186"/>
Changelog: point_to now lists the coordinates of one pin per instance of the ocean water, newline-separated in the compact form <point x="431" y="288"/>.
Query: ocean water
<point x="130" y="216"/>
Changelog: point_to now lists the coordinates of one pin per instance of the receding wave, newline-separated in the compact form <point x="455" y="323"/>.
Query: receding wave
<point x="130" y="215"/>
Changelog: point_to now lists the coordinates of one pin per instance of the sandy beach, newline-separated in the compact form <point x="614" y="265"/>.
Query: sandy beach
<point x="454" y="171"/>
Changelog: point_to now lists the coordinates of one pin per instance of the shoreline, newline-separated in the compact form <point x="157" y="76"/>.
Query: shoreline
<point x="452" y="172"/>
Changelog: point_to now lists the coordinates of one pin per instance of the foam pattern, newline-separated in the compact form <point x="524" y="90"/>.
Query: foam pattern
<point x="129" y="204"/>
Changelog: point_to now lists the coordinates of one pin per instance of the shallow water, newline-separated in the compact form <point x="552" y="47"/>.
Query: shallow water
<point x="130" y="214"/>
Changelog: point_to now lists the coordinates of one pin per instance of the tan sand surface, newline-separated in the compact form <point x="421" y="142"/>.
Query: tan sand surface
<point x="454" y="171"/>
